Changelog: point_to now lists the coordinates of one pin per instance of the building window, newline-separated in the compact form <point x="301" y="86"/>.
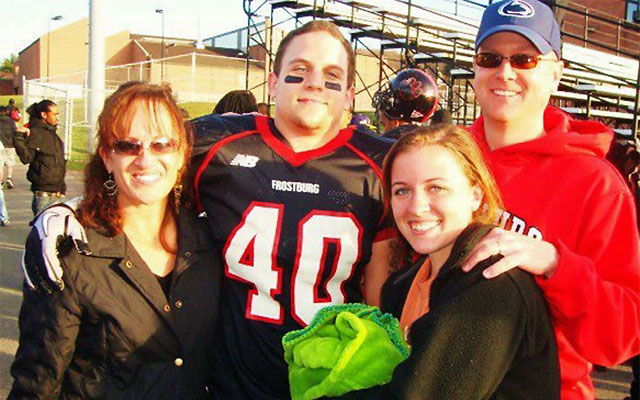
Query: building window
<point x="633" y="11"/>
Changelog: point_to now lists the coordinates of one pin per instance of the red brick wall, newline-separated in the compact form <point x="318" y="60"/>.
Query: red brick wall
<point x="6" y="86"/>
<point x="598" y="31"/>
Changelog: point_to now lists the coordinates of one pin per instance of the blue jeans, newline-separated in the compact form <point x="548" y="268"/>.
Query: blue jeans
<point x="39" y="203"/>
<point x="4" y="214"/>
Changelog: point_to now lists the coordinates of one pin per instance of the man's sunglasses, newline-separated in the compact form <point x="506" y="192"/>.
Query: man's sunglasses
<point x="134" y="147"/>
<point x="519" y="61"/>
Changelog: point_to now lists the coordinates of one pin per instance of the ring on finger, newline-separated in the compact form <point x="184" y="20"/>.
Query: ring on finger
<point x="499" y="249"/>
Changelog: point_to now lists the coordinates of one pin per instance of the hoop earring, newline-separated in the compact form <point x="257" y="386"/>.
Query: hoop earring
<point x="110" y="187"/>
<point x="177" y="193"/>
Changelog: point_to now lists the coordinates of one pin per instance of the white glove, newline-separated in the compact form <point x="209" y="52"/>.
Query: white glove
<point x="51" y="227"/>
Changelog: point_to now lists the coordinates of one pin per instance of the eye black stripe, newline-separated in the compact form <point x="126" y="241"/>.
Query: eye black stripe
<point x="293" y="79"/>
<point x="333" y="86"/>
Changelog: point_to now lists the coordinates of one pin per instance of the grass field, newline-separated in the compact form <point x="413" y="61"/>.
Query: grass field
<point x="4" y="100"/>
<point x="197" y="109"/>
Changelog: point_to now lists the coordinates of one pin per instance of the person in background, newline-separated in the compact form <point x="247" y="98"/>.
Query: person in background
<point x="13" y="111"/>
<point x="364" y="120"/>
<point x="408" y="101"/>
<point x="569" y="216"/>
<point x="441" y="116"/>
<point x="263" y="108"/>
<point x="137" y="317"/>
<point x="360" y="119"/>
<point x="237" y="102"/>
<point x="7" y="154"/>
<point x="4" y="214"/>
<point x="43" y="150"/>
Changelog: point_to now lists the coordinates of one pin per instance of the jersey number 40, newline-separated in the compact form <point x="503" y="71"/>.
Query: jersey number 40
<point x="250" y="256"/>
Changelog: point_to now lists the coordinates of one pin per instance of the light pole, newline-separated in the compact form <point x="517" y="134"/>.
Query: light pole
<point x="161" y="12"/>
<point x="56" y="18"/>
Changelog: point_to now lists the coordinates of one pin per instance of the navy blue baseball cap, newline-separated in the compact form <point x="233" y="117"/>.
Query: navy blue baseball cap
<point x="530" y="18"/>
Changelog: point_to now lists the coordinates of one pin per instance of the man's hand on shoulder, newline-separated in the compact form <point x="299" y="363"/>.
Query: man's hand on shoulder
<point x="537" y="257"/>
<point x="40" y="262"/>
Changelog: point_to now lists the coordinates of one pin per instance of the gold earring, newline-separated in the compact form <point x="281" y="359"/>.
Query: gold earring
<point x="177" y="193"/>
<point x="110" y="187"/>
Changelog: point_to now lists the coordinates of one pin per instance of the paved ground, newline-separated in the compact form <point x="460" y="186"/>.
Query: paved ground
<point x="612" y="384"/>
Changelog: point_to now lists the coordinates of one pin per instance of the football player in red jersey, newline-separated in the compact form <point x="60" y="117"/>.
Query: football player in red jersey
<point x="295" y="204"/>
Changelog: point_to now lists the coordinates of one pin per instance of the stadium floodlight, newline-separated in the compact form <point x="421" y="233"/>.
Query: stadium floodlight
<point x="161" y="11"/>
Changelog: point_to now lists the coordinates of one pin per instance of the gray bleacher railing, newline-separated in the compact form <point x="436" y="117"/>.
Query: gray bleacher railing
<point x="416" y="31"/>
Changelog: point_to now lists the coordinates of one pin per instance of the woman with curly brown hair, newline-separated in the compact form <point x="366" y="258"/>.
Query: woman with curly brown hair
<point x="137" y="317"/>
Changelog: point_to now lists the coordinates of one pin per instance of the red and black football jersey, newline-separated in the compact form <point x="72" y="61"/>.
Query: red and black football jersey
<point x="295" y="232"/>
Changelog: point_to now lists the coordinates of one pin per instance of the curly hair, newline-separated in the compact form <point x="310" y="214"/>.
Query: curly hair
<point x="236" y="101"/>
<point x="469" y="156"/>
<point x="101" y="211"/>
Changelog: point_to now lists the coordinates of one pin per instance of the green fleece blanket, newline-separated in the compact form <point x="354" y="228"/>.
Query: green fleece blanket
<point x="346" y="347"/>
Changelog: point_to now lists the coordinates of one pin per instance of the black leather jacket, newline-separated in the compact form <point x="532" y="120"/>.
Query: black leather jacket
<point x="113" y="334"/>
<point x="7" y="129"/>
<point x="43" y="150"/>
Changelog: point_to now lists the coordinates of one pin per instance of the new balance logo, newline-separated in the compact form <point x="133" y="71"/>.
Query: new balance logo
<point x="243" y="160"/>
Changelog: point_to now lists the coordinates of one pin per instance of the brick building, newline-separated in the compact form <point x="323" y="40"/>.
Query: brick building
<point x="60" y="59"/>
<point x="612" y="23"/>
<point x="6" y="83"/>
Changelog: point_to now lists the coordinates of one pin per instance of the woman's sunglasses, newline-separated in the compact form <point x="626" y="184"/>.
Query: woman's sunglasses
<point x="519" y="61"/>
<point x="134" y="147"/>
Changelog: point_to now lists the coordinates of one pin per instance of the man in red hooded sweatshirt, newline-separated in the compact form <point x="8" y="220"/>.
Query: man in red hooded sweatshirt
<point x="570" y="218"/>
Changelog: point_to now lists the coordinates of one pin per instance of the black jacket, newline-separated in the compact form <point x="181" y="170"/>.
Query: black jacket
<point x="481" y="339"/>
<point x="43" y="150"/>
<point x="113" y="334"/>
<point x="7" y="130"/>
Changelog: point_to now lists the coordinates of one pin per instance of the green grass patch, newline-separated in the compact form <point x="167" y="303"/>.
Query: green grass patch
<point x="79" y="153"/>
<point x="197" y="108"/>
<point x="76" y="165"/>
<point x="4" y="100"/>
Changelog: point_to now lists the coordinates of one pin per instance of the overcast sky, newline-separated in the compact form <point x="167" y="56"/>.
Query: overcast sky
<point x="23" y="21"/>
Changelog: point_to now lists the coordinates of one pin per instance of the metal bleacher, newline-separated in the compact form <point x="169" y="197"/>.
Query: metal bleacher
<point x="595" y="84"/>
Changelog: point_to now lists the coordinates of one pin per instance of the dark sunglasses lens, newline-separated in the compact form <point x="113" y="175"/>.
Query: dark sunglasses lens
<point x="163" y="146"/>
<point x="523" y="61"/>
<point x="127" y="147"/>
<point x="488" y="60"/>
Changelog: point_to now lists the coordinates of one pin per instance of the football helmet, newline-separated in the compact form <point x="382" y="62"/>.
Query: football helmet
<point x="411" y="96"/>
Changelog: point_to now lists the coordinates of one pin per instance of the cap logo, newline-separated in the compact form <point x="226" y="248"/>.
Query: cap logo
<point x="517" y="9"/>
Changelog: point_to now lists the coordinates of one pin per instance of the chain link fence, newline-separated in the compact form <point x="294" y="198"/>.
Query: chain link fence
<point x="198" y="81"/>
